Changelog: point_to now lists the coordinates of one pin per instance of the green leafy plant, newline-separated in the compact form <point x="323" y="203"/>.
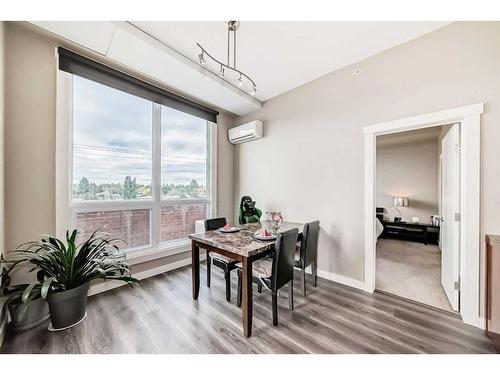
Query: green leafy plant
<point x="63" y="266"/>
<point x="13" y="294"/>
<point x="5" y="270"/>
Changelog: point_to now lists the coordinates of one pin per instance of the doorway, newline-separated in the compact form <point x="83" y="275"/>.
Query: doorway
<point x="417" y="249"/>
<point x="469" y="186"/>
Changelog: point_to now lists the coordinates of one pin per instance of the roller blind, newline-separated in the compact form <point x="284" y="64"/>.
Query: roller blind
<point x="82" y="66"/>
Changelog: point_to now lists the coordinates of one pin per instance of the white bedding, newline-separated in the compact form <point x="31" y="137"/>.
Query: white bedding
<point x="379" y="228"/>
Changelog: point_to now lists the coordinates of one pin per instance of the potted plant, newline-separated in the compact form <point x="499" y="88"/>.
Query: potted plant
<point x="23" y="315"/>
<point x="64" y="271"/>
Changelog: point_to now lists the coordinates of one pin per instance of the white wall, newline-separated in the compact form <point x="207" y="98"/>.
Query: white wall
<point x="309" y="164"/>
<point x="408" y="170"/>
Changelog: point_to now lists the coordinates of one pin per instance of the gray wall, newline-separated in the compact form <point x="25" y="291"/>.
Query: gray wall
<point x="309" y="164"/>
<point x="30" y="92"/>
<point x="409" y="170"/>
<point x="3" y="315"/>
<point x="225" y="166"/>
<point x="2" y="130"/>
<point x="30" y="140"/>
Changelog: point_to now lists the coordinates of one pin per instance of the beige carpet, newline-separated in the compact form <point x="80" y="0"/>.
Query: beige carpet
<point x="411" y="270"/>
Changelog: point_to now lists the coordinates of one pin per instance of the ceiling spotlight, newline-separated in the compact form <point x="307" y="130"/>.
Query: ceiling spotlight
<point x="357" y="71"/>
<point x="221" y="73"/>
<point x="202" y="59"/>
<point x="254" y="91"/>
<point x="240" y="81"/>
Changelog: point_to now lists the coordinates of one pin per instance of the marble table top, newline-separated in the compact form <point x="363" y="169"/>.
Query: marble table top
<point x="242" y="242"/>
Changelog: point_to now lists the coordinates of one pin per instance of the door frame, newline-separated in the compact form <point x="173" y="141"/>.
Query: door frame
<point x="469" y="118"/>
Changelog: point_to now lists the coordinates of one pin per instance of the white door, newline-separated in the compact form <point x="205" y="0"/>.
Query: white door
<point x="450" y="209"/>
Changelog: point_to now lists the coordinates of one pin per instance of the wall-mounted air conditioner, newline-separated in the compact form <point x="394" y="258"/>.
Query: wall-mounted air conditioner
<point x="246" y="132"/>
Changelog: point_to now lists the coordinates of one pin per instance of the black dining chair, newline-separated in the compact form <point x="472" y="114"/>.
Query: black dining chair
<point x="226" y="264"/>
<point x="307" y="253"/>
<point x="274" y="272"/>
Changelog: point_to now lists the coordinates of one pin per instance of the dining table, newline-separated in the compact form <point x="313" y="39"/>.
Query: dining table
<point x="241" y="246"/>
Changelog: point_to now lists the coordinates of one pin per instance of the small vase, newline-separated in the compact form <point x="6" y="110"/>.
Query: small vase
<point x="275" y="225"/>
<point x="68" y="308"/>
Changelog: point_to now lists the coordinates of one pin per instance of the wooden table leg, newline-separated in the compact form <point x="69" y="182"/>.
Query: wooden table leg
<point x="209" y="268"/>
<point x="195" y="268"/>
<point x="247" y="303"/>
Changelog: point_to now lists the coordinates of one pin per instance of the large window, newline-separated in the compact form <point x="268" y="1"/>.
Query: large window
<point x="183" y="156"/>
<point x="139" y="170"/>
<point x="112" y="143"/>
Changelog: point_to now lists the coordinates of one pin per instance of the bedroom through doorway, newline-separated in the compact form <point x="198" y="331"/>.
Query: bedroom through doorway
<point x="412" y="259"/>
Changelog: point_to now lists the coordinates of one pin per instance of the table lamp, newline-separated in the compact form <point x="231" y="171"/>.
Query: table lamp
<point x="399" y="202"/>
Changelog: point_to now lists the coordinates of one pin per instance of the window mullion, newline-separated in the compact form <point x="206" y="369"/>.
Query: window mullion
<point x="156" y="182"/>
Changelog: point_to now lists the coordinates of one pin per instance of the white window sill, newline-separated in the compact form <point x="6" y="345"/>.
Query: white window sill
<point x="137" y="256"/>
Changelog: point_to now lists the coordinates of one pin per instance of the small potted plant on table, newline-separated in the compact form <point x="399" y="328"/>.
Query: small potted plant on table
<point x="274" y="219"/>
<point x="65" y="270"/>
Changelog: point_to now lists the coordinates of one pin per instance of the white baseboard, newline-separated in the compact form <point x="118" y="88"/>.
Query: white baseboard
<point x="108" y="285"/>
<point x="353" y="283"/>
<point x="342" y="279"/>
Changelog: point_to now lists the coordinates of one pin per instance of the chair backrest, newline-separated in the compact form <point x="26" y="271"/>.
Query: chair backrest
<point x="309" y="244"/>
<point x="282" y="271"/>
<point x="215" y="223"/>
<point x="245" y="216"/>
<point x="244" y="199"/>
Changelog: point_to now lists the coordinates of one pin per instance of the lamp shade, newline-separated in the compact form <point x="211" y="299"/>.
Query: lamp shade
<point x="400" y="201"/>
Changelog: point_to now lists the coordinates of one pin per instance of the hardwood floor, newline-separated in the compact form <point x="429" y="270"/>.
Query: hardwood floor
<point x="161" y="317"/>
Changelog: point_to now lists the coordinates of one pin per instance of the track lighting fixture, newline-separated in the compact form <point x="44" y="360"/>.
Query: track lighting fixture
<point x="202" y="59"/>
<point x="232" y="26"/>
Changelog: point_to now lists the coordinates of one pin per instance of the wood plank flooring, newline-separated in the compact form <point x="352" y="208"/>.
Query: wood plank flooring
<point x="161" y="317"/>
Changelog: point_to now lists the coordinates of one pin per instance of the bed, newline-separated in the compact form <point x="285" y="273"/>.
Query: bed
<point x="379" y="228"/>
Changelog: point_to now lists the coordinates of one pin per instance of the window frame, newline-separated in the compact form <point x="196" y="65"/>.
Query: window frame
<point x="66" y="208"/>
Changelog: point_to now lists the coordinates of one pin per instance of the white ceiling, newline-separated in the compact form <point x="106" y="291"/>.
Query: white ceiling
<point x="280" y="56"/>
